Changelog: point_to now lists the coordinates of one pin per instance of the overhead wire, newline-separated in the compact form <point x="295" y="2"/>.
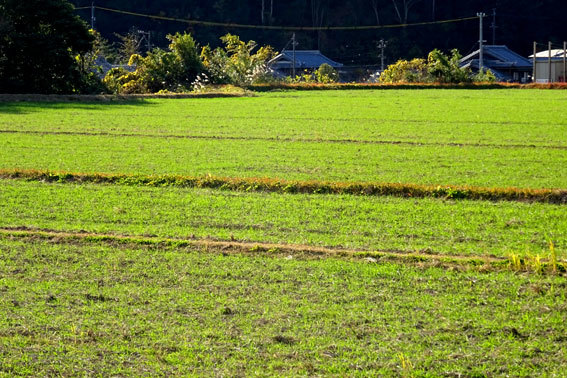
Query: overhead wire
<point x="281" y="28"/>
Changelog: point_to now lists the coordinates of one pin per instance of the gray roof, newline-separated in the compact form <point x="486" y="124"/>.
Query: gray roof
<point x="498" y="57"/>
<point x="555" y="53"/>
<point x="106" y="66"/>
<point x="303" y="59"/>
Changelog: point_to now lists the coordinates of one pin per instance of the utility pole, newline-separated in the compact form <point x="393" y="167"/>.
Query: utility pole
<point x="382" y="46"/>
<point x="534" y="77"/>
<point x="147" y="36"/>
<point x="493" y="26"/>
<point x="93" y="19"/>
<point x="293" y="43"/>
<point x="481" y="42"/>
<point x="549" y="46"/>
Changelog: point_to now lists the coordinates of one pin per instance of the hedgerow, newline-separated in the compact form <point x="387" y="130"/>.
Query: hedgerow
<point x="351" y="86"/>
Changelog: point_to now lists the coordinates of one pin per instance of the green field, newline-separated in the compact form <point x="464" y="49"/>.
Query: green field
<point x="91" y="309"/>
<point x="439" y="137"/>
<point x="475" y="228"/>
<point x="128" y="279"/>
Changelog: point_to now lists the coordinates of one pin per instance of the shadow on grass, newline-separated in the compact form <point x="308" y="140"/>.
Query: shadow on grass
<point x="24" y="107"/>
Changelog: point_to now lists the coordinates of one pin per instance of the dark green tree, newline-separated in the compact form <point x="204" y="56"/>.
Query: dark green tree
<point x="39" y="44"/>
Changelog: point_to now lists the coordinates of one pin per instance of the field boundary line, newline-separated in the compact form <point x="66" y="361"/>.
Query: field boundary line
<point x="458" y="262"/>
<point x="252" y="184"/>
<point x="398" y="86"/>
<point x="59" y="236"/>
<point x="284" y="140"/>
<point x="350" y="119"/>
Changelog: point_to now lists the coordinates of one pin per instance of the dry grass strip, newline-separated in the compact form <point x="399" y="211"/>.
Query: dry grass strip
<point x="287" y="251"/>
<point x="551" y="196"/>
<point x="268" y="249"/>
<point x="351" y="86"/>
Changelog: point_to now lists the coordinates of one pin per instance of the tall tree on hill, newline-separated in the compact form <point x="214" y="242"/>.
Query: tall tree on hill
<point x="267" y="14"/>
<point x="402" y="9"/>
<point x="376" y="9"/>
<point x="318" y="12"/>
<point x="38" y="46"/>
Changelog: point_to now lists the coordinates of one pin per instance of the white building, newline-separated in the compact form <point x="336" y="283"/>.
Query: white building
<point x="550" y="70"/>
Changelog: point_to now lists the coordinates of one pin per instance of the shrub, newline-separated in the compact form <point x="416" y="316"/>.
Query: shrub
<point x="236" y="63"/>
<point x="326" y="74"/>
<point x="160" y="70"/>
<point x="403" y="71"/>
<point x="438" y="68"/>
<point x="485" y="77"/>
<point x="446" y="69"/>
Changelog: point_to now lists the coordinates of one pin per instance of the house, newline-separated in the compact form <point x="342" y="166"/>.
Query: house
<point x="550" y="70"/>
<point x="310" y="60"/>
<point x="503" y="62"/>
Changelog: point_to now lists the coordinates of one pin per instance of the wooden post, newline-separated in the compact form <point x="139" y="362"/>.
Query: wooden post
<point x="534" y="78"/>
<point x="549" y="62"/>
<point x="565" y="62"/>
<point x="293" y="44"/>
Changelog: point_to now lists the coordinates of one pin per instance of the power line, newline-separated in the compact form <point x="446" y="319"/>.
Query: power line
<point x="283" y="28"/>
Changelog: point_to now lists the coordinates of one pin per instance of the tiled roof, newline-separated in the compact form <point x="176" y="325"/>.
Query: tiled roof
<point x="499" y="56"/>
<point x="303" y="59"/>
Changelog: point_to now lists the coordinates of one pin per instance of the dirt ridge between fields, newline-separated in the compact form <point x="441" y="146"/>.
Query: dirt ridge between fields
<point x="269" y="185"/>
<point x="288" y="251"/>
<point x="234" y="245"/>
<point x="288" y="140"/>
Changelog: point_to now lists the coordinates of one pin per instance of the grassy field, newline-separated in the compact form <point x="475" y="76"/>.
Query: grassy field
<point x="498" y="117"/>
<point x="437" y="226"/>
<point x="129" y="279"/>
<point x="92" y="309"/>
<point x="439" y="137"/>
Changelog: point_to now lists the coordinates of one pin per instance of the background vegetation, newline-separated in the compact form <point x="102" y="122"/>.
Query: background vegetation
<point x="39" y="56"/>
<point x="520" y="22"/>
<point x="41" y="42"/>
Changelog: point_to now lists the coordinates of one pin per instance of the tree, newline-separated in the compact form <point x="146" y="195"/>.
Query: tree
<point x="326" y="74"/>
<point x="438" y="68"/>
<point x="160" y="70"/>
<point x="237" y="63"/>
<point x="376" y="10"/>
<point x="128" y="45"/>
<point x="446" y="69"/>
<point x="39" y="43"/>
<point x="402" y="9"/>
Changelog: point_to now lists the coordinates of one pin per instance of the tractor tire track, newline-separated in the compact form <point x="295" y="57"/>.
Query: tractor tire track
<point x="284" y="140"/>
